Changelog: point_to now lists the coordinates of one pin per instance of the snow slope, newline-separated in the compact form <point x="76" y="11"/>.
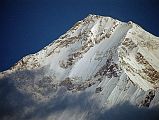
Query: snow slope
<point x="116" y="62"/>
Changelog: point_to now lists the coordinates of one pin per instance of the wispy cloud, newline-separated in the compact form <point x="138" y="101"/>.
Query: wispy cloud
<point x="15" y="105"/>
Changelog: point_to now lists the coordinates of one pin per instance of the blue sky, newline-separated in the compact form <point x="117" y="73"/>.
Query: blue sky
<point x="26" y="26"/>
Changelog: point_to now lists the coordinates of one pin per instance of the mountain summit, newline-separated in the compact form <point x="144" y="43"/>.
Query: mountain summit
<point x="98" y="64"/>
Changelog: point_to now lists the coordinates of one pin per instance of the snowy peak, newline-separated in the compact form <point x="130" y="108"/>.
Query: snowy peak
<point x="99" y="54"/>
<point x="138" y="49"/>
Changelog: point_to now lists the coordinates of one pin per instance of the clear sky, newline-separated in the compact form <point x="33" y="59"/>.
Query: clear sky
<point x="26" y="26"/>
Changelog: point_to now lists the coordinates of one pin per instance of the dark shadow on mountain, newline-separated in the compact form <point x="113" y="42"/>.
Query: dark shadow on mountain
<point x="12" y="102"/>
<point x="126" y="111"/>
<point x="64" y="101"/>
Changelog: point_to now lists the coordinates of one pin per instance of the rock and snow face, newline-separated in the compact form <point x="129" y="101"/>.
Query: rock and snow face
<point x="139" y="57"/>
<point x="116" y="62"/>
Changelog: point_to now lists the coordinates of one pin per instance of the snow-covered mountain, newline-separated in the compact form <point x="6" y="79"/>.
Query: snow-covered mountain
<point x="100" y="63"/>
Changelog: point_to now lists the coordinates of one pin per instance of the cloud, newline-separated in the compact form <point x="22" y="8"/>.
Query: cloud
<point x="127" y="111"/>
<point x="15" y="105"/>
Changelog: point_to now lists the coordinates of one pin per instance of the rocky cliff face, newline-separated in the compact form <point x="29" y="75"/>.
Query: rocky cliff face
<point x="115" y="62"/>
